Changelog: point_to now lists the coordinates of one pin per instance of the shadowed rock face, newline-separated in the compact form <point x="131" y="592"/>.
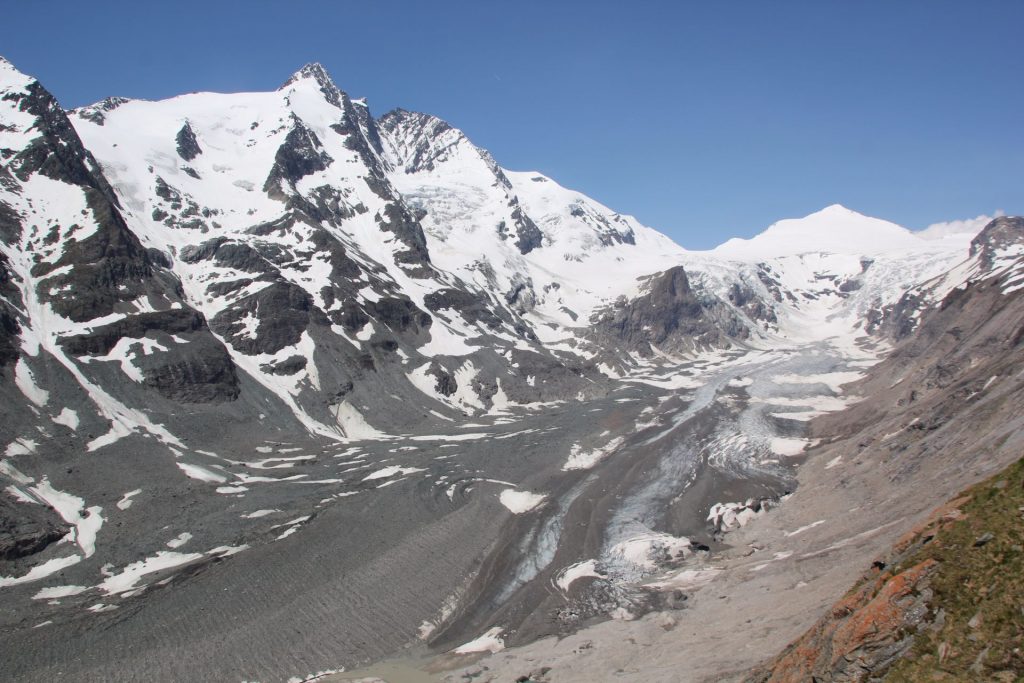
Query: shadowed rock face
<point x="110" y="265"/>
<point x="9" y="328"/>
<point x="228" y="254"/>
<point x="282" y="313"/>
<point x="400" y="315"/>
<point x="301" y="154"/>
<point x="747" y="300"/>
<point x="102" y="339"/>
<point x="471" y="307"/>
<point x="404" y="226"/>
<point x="188" y="146"/>
<point x="446" y="382"/>
<point x="107" y="272"/>
<point x="8" y="337"/>
<point x="198" y="372"/>
<point x="107" y="268"/>
<point x="57" y="152"/>
<point x="528" y="235"/>
<point x="27" y="529"/>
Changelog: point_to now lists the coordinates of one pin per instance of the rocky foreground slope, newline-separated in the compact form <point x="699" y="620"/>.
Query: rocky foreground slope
<point x="943" y="603"/>
<point x="289" y="387"/>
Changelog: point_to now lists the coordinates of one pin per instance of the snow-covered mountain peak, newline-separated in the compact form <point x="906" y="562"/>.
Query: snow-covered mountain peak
<point x="834" y="229"/>
<point x="836" y="209"/>
<point x="314" y="71"/>
<point x="419" y="142"/>
<point x="315" y="77"/>
<point x="10" y="77"/>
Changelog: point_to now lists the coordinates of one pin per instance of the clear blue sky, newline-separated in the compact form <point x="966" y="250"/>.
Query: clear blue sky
<point x="704" y="119"/>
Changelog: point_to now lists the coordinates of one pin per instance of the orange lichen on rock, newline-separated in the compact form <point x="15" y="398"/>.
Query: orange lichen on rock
<point x="880" y="621"/>
<point x="870" y="618"/>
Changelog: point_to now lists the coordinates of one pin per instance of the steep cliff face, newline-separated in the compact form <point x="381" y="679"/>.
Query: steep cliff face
<point x="670" y="316"/>
<point x="79" y="284"/>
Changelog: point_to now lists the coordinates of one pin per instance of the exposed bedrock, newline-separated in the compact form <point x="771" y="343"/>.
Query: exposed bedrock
<point x="670" y="316"/>
<point x="26" y="529"/>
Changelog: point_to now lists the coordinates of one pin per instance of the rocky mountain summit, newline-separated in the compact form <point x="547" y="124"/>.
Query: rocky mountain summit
<point x="262" y="355"/>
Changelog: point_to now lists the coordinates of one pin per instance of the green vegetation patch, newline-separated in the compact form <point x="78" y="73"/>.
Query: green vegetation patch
<point x="977" y="607"/>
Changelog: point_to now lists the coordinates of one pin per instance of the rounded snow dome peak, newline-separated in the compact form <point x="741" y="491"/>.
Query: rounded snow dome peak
<point x="835" y="209"/>
<point x="834" y="229"/>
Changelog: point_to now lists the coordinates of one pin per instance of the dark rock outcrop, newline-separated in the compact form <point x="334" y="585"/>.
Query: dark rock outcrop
<point x="745" y="299"/>
<point x="446" y="383"/>
<point x="401" y="223"/>
<point x="188" y="146"/>
<point x="27" y="528"/>
<point x="200" y="371"/>
<point x="101" y="340"/>
<point x="228" y="254"/>
<point x="669" y="316"/>
<point x="282" y="312"/>
<point x="300" y="155"/>
<point x="528" y="235"/>
<point x="471" y="307"/>
<point x="400" y="315"/>
<point x="95" y="112"/>
<point x="9" y="327"/>
<point x="999" y="234"/>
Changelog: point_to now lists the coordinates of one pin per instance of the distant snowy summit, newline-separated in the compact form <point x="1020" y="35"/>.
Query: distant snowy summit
<point x="835" y="229"/>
